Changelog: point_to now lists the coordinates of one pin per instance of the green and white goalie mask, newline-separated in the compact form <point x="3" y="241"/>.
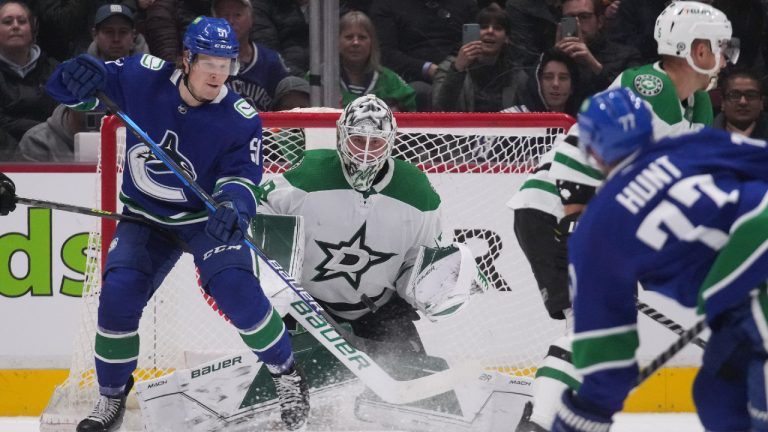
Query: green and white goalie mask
<point x="443" y="280"/>
<point x="366" y="135"/>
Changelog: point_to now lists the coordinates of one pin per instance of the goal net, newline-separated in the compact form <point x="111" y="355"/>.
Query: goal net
<point x="476" y="162"/>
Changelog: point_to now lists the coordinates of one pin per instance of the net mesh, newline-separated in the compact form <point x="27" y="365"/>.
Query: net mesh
<point x="474" y="161"/>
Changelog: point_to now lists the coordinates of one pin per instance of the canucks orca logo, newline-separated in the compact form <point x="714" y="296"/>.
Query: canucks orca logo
<point x="348" y="259"/>
<point x="150" y="173"/>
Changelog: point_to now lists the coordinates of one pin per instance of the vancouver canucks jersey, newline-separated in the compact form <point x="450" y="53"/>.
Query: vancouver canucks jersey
<point x="661" y="218"/>
<point x="218" y="143"/>
<point x="356" y="243"/>
<point x="257" y="81"/>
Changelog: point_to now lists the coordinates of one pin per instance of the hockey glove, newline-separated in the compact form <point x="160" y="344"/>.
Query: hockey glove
<point x="563" y="231"/>
<point x="7" y="195"/>
<point x="575" y="415"/>
<point x="227" y="224"/>
<point x="83" y="76"/>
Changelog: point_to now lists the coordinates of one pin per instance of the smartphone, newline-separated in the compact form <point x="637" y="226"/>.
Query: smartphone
<point x="470" y="33"/>
<point x="569" y="27"/>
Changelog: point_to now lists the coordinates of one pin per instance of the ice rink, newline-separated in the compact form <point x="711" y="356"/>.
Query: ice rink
<point x="624" y="423"/>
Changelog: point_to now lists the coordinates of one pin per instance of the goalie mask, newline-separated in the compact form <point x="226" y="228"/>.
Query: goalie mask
<point x="682" y="22"/>
<point x="366" y="135"/>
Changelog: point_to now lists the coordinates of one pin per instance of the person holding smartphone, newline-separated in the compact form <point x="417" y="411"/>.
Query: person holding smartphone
<point x="580" y="36"/>
<point x="484" y="76"/>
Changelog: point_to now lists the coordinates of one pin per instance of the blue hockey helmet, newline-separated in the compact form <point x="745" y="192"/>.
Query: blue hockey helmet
<point x="613" y="124"/>
<point x="213" y="37"/>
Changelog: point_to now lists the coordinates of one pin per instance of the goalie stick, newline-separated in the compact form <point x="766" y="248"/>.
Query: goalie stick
<point x="676" y="347"/>
<point x="383" y="384"/>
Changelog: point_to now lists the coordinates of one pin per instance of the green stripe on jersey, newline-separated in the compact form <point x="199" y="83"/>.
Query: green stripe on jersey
<point x="748" y="240"/>
<point x="177" y="219"/>
<point x="558" y="375"/>
<point x="117" y="348"/>
<point x="578" y="166"/>
<point x="605" y="348"/>
<point x="266" y="335"/>
<point x="540" y="185"/>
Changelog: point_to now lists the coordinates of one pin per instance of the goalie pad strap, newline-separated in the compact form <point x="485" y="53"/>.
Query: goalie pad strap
<point x="351" y="307"/>
<point x="557" y="352"/>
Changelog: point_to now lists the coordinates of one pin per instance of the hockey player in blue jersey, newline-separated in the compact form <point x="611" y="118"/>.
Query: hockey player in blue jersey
<point x="215" y="136"/>
<point x="685" y="217"/>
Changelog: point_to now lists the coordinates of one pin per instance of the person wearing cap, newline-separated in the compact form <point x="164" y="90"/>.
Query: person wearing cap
<point x="114" y="34"/>
<point x="261" y="68"/>
<point x="215" y="136"/>
<point x="54" y="139"/>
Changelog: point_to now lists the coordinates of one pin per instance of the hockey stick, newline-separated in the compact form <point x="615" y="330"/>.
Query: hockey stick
<point x="77" y="209"/>
<point x="386" y="387"/>
<point x="676" y="347"/>
<point x="666" y="322"/>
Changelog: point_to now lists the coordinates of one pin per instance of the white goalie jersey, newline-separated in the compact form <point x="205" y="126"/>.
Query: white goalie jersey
<point x="356" y="244"/>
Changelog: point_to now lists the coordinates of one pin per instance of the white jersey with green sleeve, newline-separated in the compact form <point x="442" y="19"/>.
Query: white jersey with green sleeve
<point x="670" y="117"/>
<point x="356" y="243"/>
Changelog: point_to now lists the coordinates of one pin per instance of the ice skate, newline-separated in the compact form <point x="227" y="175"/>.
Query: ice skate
<point x="107" y="414"/>
<point x="526" y="425"/>
<point x="293" y="395"/>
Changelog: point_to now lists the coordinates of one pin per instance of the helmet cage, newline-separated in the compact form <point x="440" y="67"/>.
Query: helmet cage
<point x="364" y="151"/>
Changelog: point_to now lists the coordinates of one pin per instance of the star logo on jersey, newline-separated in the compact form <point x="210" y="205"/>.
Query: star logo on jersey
<point x="348" y="259"/>
<point x="648" y="85"/>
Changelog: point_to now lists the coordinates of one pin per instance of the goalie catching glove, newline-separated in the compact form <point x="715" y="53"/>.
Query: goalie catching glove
<point x="443" y="280"/>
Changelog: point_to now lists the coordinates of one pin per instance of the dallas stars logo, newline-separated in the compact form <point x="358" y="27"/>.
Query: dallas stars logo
<point x="348" y="260"/>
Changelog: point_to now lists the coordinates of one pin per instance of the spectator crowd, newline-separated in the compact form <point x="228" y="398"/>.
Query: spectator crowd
<point x="413" y="54"/>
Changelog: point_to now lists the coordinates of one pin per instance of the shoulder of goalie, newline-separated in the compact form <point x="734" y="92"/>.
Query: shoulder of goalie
<point x="443" y="280"/>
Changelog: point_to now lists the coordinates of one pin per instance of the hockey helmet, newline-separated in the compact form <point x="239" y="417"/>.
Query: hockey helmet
<point x="213" y="37"/>
<point x="366" y="136"/>
<point x="682" y="22"/>
<point x="613" y="124"/>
